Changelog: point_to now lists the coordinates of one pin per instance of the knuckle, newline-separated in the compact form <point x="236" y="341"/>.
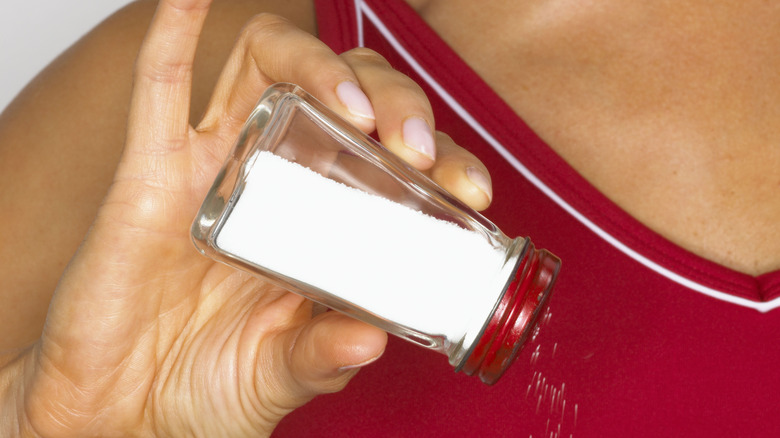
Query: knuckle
<point x="367" y="56"/>
<point x="406" y="89"/>
<point x="443" y="137"/>
<point x="278" y="47"/>
<point x="447" y="147"/>
<point x="362" y="58"/>
<point x="164" y="73"/>
<point x="263" y="25"/>
<point x="414" y="87"/>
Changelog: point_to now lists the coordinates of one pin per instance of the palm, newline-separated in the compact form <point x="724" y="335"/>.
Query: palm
<point x="198" y="329"/>
<point x="217" y="325"/>
<point x="220" y="356"/>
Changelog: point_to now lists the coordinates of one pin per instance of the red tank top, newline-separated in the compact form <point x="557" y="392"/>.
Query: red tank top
<point x="644" y="338"/>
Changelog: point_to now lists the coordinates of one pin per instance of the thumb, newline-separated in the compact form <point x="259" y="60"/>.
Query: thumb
<point x="330" y="350"/>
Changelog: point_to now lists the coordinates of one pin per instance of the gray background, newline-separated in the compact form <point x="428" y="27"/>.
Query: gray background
<point x="34" y="32"/>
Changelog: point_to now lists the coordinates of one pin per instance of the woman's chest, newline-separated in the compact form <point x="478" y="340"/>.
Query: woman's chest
<point x="674" y="121"/>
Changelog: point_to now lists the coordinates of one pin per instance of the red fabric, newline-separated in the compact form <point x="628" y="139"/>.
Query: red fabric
<point x="627" y="352"/>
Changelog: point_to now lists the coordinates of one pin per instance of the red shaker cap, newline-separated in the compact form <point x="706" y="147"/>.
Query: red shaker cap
<point x="516" y="316"/>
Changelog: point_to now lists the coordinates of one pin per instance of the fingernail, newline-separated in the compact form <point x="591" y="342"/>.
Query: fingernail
<point x="480" y="181"/>
<point x="346" y="368"/>
<point x="418" y="136"/>
<point x="355" y="100"/>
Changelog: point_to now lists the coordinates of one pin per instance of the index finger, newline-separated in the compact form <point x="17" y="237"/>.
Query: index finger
<point x="163" y="77"/>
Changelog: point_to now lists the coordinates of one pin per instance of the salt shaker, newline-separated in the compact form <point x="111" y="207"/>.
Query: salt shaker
<point x="310" y="202"/>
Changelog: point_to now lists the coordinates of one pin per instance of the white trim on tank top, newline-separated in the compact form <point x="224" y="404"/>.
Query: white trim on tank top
<point x="363" y="9"/>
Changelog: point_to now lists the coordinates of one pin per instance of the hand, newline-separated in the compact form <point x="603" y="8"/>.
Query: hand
<point x="145" y="336"/>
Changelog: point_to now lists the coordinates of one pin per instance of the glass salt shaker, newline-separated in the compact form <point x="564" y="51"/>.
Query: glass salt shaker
<point x="313" y="204"/>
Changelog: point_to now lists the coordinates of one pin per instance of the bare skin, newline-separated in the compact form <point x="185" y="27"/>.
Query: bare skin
<point x="668" y="108"/>
<point x="58" y="153"/>
<point x="143" y="335"/>
<point x="687" y="151"/>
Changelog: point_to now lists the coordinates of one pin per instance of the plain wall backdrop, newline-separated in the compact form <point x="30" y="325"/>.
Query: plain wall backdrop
<point x="34" y="32"/>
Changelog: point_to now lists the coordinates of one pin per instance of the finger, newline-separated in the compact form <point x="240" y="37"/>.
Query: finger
<point x="271" y="49"/>
<point x="329" y="351"/>
<point x="462" y="174"/>
<point x="405" y="122"/>
<point x="163" y="78"/>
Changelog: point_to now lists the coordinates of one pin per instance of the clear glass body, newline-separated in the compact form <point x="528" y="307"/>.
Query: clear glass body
<point x="313" y="204"/>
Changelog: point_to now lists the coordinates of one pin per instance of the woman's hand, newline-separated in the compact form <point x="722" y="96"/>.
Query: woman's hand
<point x="144" y="335"/>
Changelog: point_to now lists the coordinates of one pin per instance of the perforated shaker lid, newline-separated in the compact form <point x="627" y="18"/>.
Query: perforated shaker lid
<point x="516" y="316"/>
